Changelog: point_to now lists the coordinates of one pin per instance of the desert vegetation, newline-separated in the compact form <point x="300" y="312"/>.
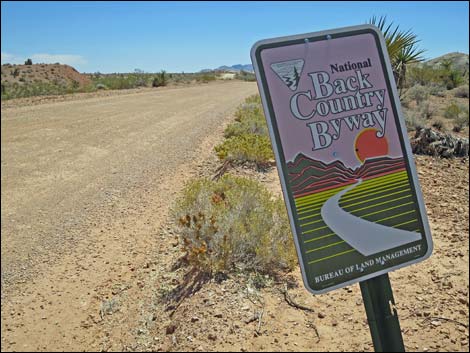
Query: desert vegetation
<point x="22" y="81"/>
<point x="233" y="224"/>
<point x="247" y="138"/>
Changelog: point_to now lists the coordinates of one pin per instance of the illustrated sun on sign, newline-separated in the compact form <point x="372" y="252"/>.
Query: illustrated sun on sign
<point x="368" y="145"/>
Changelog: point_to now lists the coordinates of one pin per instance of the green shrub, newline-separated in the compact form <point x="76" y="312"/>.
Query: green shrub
<point x="160" y="80"/>
<point x="461" y="120"/>
<point x="246" y="148"/>
<point x="453" y="110"/>
<point x="234" y="224"/>
<point x="413" y="121"/>
<point x="437" y="90"/>
<point x="245" y="76"/>
<point x="206" y="77"/>
<point x="249" y="119"/>
<point x="418" y="93"/>
<point x="28" y="62"/>
<point x="425" y="111"/>
<point x="423" y="75"/>
<point x="256" y="126"/>
<point x="255" y="98"/>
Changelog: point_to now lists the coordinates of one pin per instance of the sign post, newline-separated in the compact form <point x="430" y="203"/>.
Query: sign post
<point x="381" y="314"/>
<point x="345" y="164"/>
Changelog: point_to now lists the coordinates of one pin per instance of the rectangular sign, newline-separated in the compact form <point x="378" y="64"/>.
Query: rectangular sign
<point x="343" y="155"/>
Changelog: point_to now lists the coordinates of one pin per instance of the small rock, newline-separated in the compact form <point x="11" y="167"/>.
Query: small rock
<point x="194" y="319"/>
<point x="170" y="329"/>
<point x="212" y="337"/>
<point x="462" y="301"/>
<point x="218" y="315"/>
<point x="436" y="323"/>
<point x="321" y="315"/>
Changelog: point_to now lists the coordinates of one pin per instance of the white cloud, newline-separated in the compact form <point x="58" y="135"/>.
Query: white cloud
<point x="69" y="59"/>
<point x="59" y="58"/>
<point x="9" y="58"/>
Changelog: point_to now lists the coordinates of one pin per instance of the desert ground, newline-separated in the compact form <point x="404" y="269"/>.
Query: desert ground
<point x="89" y="251"/>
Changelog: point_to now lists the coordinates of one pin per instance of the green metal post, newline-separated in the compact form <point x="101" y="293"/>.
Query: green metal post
<point x="381" y="314"/>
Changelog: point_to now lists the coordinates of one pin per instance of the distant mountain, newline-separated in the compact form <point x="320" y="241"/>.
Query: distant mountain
<point x="235" y="68"/>
<point x="307" y="175"/>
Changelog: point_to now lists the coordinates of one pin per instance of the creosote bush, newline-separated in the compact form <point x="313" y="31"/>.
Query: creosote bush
<point x="453" y="111"/>
<point x="247" y="138"/>
<point x="247" y="148"/>
<point x="418" y="93"/>
<point x="234" y="224"/>
<point x="413" y="121"/>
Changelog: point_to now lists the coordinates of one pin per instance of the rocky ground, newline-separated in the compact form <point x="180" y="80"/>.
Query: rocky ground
<point x="253" y="313"/>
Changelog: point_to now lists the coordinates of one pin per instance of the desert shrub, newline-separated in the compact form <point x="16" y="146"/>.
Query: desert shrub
<point x="418" y="93"/>
<point x="233" y="224"/>
<point x="423" y="75"/>
<point x="246" y="148"/>
<point x="437" y="90"/>
<point x="160" y="80"/>
<point x="206" y="77"/>
<point x="461" y="92"/>
<point x="425" y="111"/>
<point x="16" y="72"/>
<point x="248" y="111"/>
<point x="453" y="78"/>
<point x="249" y="119"/>
<point x="245" y="76"/>
<point x="101" y="86"/>
<point x="461" y="120"/>
<point x="255" y="98"/>
<point x="28" y="62"/>
<point x="256" y="125"/>
<point x="438" y="124"/>
<point x="453" y="110"/>
<point x="413" y="121"/>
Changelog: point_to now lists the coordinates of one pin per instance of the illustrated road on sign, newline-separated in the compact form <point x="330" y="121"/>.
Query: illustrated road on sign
<point x="343" y="155"/>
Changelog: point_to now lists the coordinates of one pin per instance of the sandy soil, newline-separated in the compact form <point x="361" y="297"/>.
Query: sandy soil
<point x="85" y="186"/>
<point x="431" y="297"/>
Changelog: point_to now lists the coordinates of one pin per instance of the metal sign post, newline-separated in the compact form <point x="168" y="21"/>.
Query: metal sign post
<point x="382" y="315"/>
<point x="345" y="164"/>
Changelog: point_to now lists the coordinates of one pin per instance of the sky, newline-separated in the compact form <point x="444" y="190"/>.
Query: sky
<point x="191" y="36"/>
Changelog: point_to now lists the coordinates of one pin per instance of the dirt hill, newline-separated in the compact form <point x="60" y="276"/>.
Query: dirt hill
<point x="58" y="74"/>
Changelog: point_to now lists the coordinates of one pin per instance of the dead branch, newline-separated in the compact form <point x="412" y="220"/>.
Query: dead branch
<point x="221" y="170"/>
<point x="292" y="303"/>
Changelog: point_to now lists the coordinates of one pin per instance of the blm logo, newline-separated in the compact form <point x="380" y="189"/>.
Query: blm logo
<point x="289" y="72"/>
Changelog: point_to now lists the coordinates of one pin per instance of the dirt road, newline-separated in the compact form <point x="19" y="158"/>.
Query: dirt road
<point x="85" y="186"/>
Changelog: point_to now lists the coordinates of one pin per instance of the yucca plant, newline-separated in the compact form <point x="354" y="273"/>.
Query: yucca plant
<point x="402" y="47"/>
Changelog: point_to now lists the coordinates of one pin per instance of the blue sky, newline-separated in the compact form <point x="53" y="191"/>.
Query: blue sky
<point x="190" y="36"/>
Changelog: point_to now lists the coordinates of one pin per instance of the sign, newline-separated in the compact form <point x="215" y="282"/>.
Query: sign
<point x="343" y="155"/>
